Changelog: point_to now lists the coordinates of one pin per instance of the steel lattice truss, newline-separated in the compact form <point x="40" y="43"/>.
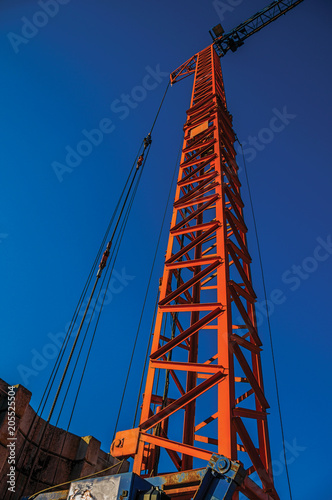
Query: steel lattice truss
<point x="235" y="38"/>
<point x="204" y="390"/>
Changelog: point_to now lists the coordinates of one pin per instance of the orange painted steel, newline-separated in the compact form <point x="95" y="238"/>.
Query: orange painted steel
<point x="205" y="368"/>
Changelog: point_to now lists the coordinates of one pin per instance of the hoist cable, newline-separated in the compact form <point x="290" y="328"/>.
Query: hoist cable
<point x="268" y="321"/>
<point x="55" y="368"/>
<point x="115" y="251"/>
<point x="82" y="344"/>
<point x="111" y="256"/>
<point x="128" y="371"/>
<point x="106" y="235"/>
<point x="46" y="422"/>
<point x="147" y="142"/>
<point x="148" y="286"/>
<point x="90" y="299"/>
<point x="159" y="109"/>
<point x="146" y="145"/>
<point x="146" y="294"/>
<point x="116" y="247"/>
<point x="93" y="268"/>
<point x="52" y="377"/>
<point x="64" y="345"/>
<point x="94" y="333"/>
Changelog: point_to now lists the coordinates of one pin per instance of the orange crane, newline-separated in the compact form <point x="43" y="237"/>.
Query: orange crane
<point x="204" y="399"/>
<point x="210" y="360"/>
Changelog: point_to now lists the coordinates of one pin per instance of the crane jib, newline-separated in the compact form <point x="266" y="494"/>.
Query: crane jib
<point x="223" y="42"/>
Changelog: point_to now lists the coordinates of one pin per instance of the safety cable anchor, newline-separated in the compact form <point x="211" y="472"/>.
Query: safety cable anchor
<point x="139" y="161"/>
<point x="147" y="140"/>
<point x="103" y="261"/>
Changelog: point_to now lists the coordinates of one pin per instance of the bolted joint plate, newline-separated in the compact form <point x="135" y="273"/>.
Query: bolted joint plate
<point x="125" y="443"/>
<point x="229" y="470"/>
<point x="221" y="479"/>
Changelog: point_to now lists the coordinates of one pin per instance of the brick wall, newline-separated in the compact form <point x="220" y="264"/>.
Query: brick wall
<point x="63" y="456"/>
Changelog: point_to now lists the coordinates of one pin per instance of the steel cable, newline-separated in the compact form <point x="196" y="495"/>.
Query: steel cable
<point x="116" y="250"/>
<point x="61" y="353"/>
<point x="70" y="329"/>
<point x="268" y="321"/>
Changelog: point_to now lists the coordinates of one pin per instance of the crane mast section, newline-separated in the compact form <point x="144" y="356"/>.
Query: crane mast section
<point x="204" y="390"/>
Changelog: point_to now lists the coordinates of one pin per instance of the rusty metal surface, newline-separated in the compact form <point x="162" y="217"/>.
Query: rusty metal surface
<point x="181" y="479"/>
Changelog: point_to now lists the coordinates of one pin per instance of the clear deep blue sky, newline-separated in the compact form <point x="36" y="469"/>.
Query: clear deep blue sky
<point x="64" y="79"/>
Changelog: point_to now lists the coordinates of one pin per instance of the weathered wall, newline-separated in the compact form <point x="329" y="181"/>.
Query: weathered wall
<point x="63" y="456"/>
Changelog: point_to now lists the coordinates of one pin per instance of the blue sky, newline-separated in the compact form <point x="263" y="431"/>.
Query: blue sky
<point x="68" y="75"/>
